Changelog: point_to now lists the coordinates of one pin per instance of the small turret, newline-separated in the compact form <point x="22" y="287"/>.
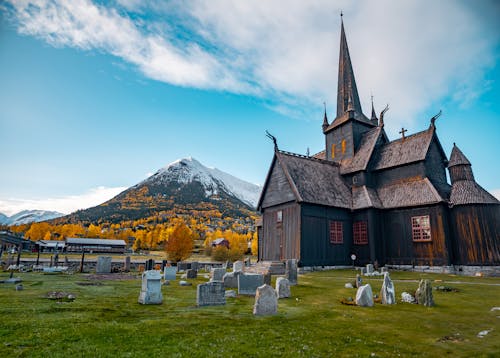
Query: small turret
<point x="325" y="120"/>
<point x="459" y="166"/>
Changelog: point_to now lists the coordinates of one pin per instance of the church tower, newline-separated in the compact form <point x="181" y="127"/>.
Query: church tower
<point x="343" y="135"/>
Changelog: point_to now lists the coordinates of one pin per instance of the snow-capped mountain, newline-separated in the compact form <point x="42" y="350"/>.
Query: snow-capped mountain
<point x="28" y="216"/>
<point x="184" y="187"/>
<point x="213" y="180"/>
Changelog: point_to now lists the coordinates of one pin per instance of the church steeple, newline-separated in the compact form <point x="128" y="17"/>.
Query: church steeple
<point x="459" y="166"/>
<point x="325" y="120"/>
<point x="347" y="89"/>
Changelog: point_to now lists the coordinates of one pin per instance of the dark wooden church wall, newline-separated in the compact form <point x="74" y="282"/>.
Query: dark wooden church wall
<point x="394" y="175"/>
<point x="476" y="230"/>
<point x="374" y="250"/>
<point x="435" y="167"/>
<point x="399" y="244"/>
<point x="278" y="190"/>
<point x="315" y="247"/>
<point x="281" y="240"/>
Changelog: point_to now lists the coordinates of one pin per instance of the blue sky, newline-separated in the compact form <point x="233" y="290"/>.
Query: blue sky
<point x="96" y="95"/>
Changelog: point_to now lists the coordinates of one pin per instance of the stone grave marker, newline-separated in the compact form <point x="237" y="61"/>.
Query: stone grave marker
<point x="238" y="266"/>
<point x="364" y="296"/>
<point x="210" y="294"/>
<point x="266" y="301"/>
<point x="183" y="266"/>
<point x="388" y="293"/>
<point x="126" y="264"/>
<point x="195" y="265"/>
<point x="163" y="264"/>
<point x="423" y="295"/>
<point x="217" y="274"/>
<point x="103" y="264"/>
<point x="267" y="277"/>
<point x="169" y="273"/>
<point x="149" y="265"/>
<point x="230" y="279"/>
<point x="191" y="273"/>
<point x="369" y="269"/>
<point x="283" y="288"/>
<point x="248" y="283"/>
<point x="151" y="288"/>
<point x="359" y="281"/>
<point x="291" y="271"/>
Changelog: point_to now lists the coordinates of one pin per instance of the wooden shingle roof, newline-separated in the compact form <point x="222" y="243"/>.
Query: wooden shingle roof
<point x="469" y="192"/>
<point x="364" y="197"/>
<point x="457" y="157"/>
<point x="315" y="181"/>
<point x="364" y="152"/>
<point x="409" y="193"/>
<point x="411" y="149"/>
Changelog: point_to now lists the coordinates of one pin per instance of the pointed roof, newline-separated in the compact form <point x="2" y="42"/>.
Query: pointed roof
<point x="457" y="157"/>
<point x="365" y="151"/>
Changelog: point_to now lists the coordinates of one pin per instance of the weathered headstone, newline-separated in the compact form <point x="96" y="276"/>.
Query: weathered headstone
<point x="126" y="264"/>
<point x="267" y="277"/>
<point x="230" y="279"/>
<point x="149" y="265"/>
<point x="384" y="270"/>
<point x="191" y="273"/>
<point x="238" y="266"/>
<point x="183" y="266"/>
<point x="151" y="288"/>
<point x="103" y="264"/>
<point x="169" y="273"/>
<point x="424" y="293"/>
<point x="369" y="269"/>
<point x="359" y="281"/>
<point x="291" y="271"/>
<point x="283" y="288"/>
<point x="364" y="296"/>
<point x="195" y="265"/>
<point x="210" y="294"/>
<point x="388" y="293"/>
<point x="248" y="283"/>
<point x="230" y="293"/>
<point x="163" y="264"/>
<point x="266" y="301"/>
<point x="217" y="274"/>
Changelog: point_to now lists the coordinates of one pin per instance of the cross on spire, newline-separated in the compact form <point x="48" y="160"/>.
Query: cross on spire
<point x="402" y="132"/>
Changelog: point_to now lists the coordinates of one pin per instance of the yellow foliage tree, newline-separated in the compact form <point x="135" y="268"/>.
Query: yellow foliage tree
<point x="180" y="243"/>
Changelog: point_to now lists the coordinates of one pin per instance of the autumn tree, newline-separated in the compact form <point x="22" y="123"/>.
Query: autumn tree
<point x="180" y="243"/>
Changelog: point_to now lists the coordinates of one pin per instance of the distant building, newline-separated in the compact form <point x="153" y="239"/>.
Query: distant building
<point x="384" y="201"/>
<point x="74" y="244"/>
<point x="220" y="242"/>
<point x="50" y="245"/>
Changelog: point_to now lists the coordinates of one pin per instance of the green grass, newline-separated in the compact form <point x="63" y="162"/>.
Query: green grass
<point x="106" y="321"/>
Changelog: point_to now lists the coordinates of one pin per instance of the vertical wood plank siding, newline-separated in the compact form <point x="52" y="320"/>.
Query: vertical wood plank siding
<point x="281" y="240"/>
<point x="477" y="232"/>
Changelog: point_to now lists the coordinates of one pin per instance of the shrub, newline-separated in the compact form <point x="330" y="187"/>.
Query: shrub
<point x="220" y="253"/>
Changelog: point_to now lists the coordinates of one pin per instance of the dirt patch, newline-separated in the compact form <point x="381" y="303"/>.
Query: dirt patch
<point x="89" y="283"/>
<point x="455" y="338"/>
<point x="111" y="277"/>
<point x="60" y="296"/>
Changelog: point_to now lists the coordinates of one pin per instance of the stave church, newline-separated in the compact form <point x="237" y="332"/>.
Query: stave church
<point x="373" y="200"/>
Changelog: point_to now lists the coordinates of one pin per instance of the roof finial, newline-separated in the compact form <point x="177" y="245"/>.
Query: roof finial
<point x="381" y="122"/>
<point x="402" y="132"/>
<point x="325" y="119"/>
<point x="341" y="14"/>
<point x="273" y="138"/>
<point x="433" y="119"/>
<point x="374" y="116"/>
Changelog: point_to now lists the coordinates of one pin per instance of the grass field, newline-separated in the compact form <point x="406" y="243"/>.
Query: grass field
<point x="105" y="320"/>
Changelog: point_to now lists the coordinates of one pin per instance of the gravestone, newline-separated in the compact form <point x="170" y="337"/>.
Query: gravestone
<point x="283" y="288"/>
<point x="103" y="264"/>
<point x="230" y="279"/>
<point x="238" y="266"/>
<point x="195" y="265"/>
<point x="126" y="264"/>
<point x="149" y="265"/>
<point x="248" y="283"/>
<point x="230" y="293"/>
<point x="384" y="270"/>
<point x="291" y="271"/>
<point x="217" y="274"/>
<point x="388" y="293"/>
<point x="267" y="277"/>
<point x="210" y="294"/>
<point x="151" y="288"/>
<point x="183" y="266"/>
<point x="364" y="296"/>
<point x="369" y="269"/>
<point x="266" y="301"/>
<point x="423" y="295"/>
<point x="169" y="273"/>
<point x="163" y="264"/>
<point x="359" y="281"/>
<point x="191" y="273"/>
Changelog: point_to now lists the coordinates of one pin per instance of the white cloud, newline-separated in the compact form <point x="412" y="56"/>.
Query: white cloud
<point x="410" y="54"/>
<point x="65" y="205"/>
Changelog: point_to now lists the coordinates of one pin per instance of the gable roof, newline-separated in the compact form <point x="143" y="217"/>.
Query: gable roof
<point x="364" y="152"/>
<point x="364" y="197"/>
<point x="87" y="241"/>
<point x="411" y="149"/>
<point x="409" y="193"/>
<point x="315" y="181"/>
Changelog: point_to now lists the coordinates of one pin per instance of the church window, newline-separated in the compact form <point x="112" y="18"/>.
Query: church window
<point x="333" y="151"/>
<point x="343" y="146"/>
<point x="360" y="233"/>
<point x="336" y="232"/>
<point x="421" y="228"/>
<point x="279" y="216"/>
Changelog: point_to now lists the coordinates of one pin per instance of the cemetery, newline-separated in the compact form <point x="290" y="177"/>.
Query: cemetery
<point x="190" y="309"/>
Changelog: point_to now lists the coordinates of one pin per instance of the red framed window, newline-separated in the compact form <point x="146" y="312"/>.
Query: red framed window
<point x="360" y="233"/>
<point x="336" y="232"/>
<point x="421" y="228"/>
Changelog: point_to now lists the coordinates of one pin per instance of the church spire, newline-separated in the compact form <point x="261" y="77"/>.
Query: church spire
<point x="347" y="89"/>
<point x="325" y="119"/>
<point x="374" y="118"/>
